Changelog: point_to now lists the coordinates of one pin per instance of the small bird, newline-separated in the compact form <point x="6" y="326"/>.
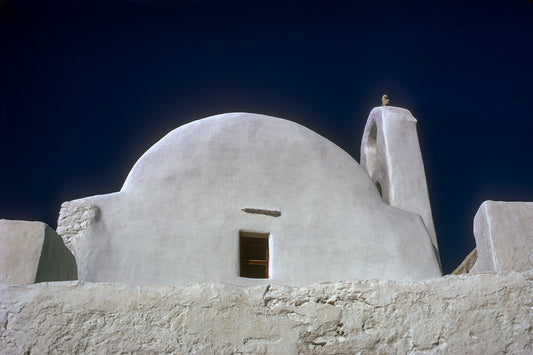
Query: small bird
<point x="385" y="100"/>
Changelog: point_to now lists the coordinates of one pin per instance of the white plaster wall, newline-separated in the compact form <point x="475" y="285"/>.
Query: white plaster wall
<point x="390" y="153"/>
<point x="177" y="218"/>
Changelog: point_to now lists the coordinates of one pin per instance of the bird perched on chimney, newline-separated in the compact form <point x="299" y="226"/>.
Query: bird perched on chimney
<point x="385" y="100"/>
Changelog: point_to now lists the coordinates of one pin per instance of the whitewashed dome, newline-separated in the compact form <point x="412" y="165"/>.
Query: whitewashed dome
<point x="231" y="151"/>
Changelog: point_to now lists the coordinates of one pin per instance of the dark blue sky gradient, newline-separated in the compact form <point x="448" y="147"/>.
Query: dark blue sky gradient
<point x="86" y="87"/>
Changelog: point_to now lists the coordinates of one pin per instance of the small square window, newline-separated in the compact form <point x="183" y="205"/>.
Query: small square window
<point x="253" y="255"/>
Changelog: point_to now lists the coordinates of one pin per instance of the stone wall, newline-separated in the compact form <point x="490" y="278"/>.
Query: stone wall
<point x="481" y="314"/>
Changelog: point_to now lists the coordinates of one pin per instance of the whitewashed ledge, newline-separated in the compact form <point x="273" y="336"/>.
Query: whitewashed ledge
<point x="475" y="314"/>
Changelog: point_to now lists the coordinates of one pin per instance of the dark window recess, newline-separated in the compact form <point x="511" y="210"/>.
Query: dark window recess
<point x="253" y="255"/>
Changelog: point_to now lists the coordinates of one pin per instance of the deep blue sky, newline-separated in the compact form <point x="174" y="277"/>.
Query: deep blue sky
<point x="86" y="87"/>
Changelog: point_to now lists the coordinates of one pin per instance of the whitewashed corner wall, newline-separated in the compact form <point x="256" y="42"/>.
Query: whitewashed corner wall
<point x="504" y="236"/>
<point x="32" y="252"/>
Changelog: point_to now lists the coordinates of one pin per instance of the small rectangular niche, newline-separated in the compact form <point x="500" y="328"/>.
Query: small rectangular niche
<point x="253" y="249"/>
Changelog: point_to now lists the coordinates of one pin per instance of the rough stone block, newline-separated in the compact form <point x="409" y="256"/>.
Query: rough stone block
<point x="504" y="236"/>
<point x="32" y="252"/>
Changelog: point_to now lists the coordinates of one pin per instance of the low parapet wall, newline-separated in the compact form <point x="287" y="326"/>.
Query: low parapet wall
<point x="483" y="313"/>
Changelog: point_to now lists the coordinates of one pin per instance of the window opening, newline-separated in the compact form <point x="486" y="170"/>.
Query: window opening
<point x="253" y="249"/>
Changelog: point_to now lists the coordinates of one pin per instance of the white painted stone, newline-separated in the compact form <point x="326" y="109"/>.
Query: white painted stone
<point x="504" y="236"/>
<point x="177" y="218"/>
<point x="390" y="154"/>
<point x="33" y="252"/>
<point x="465" y="314"/>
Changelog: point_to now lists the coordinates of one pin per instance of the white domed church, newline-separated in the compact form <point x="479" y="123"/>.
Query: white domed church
<point x="246" y="199"/>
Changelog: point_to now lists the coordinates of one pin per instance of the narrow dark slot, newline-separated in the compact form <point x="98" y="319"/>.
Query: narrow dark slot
<point x="271" y="213"/>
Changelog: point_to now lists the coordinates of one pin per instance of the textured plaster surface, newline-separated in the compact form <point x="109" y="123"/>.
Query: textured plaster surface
<point x="464" y="314"/>
<point x="390" y="154"/>
<point x="33" y="252"/>
<point x="504" y="236"/>
<point x="177" y="218"/>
